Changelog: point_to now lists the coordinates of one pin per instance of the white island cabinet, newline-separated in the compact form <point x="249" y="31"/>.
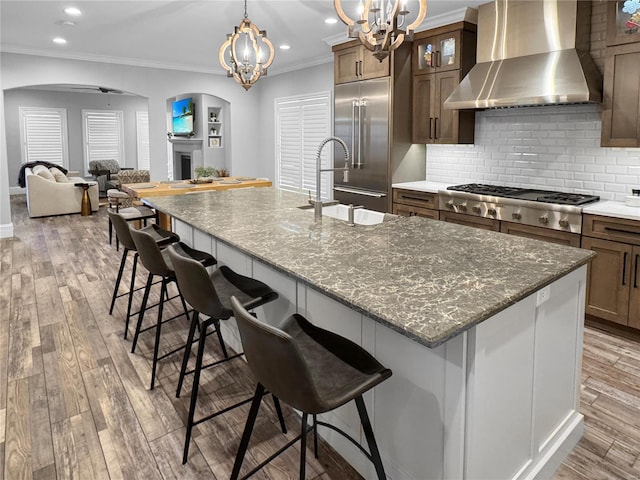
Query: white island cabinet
<point x="483" y="331"/>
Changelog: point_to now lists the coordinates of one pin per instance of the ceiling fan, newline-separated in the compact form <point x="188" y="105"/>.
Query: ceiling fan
<point x="99" y="89"/>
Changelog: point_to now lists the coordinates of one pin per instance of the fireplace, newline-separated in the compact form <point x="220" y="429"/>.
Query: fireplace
<point x="185" y="166"/>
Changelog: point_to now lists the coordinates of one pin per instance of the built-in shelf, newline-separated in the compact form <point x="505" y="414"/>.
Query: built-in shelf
<point x="185" y="140"/>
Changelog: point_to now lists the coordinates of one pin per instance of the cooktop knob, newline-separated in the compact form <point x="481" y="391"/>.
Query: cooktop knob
<point x="462" y="207"/>
<point x="544" y="219"/>
<point x="476" y="209"/>
<point x="564" y="223"/>
<point x="450" y="204"/>
<point x="516" y="215"/>
<point x="492" y="211"/>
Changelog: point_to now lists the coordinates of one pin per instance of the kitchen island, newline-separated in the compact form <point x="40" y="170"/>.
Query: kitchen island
<point x="483" y="331"/>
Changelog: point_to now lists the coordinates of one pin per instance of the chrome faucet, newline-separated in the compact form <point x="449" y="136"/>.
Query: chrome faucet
<point x="318" y="202"/>
<point x="351" y="214"/>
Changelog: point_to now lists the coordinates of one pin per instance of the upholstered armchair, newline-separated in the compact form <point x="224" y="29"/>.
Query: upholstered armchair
<point x="106" y="173"/>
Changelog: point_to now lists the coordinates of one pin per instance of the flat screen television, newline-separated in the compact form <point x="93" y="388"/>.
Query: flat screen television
<point x="182" y="116"/>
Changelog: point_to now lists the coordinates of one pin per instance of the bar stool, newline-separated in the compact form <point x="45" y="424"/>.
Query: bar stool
<point x="324" y="372"/>
<point x="210" y="295"/>
<point x="158" y="263"/>
<point x="121" y="202"/>
<point x="160" y="236"/>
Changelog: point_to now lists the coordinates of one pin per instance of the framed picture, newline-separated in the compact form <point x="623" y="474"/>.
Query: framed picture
<point x="214" y="141"/>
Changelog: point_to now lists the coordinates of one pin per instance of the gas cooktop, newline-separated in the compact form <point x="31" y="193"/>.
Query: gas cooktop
<point x="546" y="196"/>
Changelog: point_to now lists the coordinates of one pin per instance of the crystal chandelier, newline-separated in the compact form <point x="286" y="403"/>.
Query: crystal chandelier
<point x="243" y="54"/>
<point x="381" y="25"/>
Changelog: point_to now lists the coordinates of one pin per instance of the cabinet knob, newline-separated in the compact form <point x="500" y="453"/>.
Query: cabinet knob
<point x="516" y="216"/>
<point x="462" y="207"/>
<point x="476" y="209"/>
<point x="544" y="219"/>
<point x="564" y="223"/>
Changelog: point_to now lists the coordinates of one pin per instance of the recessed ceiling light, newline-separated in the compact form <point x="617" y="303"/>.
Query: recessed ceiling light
<point x="59" y="40"/>
<point x="73" y="11"/>
<point x="330" y="21"/>
<point x="285" y="47"/>
<point x="66" y="23"/>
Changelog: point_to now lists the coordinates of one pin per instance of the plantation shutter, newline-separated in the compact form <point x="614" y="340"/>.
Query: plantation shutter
<point x="103" y="134"/>
<point x="301" y="124"/>
<point x="142" y="140"/>
<point x="43" y="133"/>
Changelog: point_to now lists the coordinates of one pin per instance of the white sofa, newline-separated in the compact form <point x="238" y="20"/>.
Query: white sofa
<point x="46" y="196"/>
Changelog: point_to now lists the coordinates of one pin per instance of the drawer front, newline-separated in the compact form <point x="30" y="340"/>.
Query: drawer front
<point x="539" y="233"/>
<point x="415" y="198"/>
<point x="411" y="211"/>
<point x="609" y="228"/>
<point x="471" y="221"/>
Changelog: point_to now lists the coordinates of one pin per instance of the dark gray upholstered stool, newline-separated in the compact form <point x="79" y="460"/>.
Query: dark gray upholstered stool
<point x="160" y="236"/>
<point x="158" y="263"/>
<point x="210" y="295"/>
<point x="311" y="369"/>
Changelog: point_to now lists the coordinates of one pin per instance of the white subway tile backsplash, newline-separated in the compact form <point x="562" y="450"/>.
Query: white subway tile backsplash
<point x="556" y="147"/>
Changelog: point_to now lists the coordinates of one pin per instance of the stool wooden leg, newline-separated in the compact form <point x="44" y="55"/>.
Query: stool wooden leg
<point x="195" y="321"/>
<point x="123" y="261"/>
<point x="143" y="307"/>
<point x="248" y="429"/>
<point x="371" y="439"/>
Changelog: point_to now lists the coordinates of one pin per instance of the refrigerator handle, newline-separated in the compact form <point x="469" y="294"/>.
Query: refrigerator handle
<point x="360" y="108"/>
<point x="354" y="105"/>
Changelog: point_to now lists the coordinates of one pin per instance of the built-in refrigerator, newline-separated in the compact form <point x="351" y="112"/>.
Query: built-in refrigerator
<point x="373" y="117"/>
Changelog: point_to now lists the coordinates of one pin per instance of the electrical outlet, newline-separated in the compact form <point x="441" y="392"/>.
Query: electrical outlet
<point x="543" y="295"/>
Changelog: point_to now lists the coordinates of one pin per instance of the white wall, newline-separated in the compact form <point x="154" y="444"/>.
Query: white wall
<point x="309" y="80"/>
<point x="554" y="147"/>
<point x="74" y="103"/>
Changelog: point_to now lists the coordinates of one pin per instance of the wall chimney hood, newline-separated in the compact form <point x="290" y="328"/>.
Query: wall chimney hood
<point x="531" y="52"/>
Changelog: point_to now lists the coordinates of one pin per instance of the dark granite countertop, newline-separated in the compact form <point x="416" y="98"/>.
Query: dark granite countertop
<point x="427" y="279"/>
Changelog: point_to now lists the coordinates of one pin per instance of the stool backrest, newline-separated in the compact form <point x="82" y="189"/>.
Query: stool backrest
<point x="122" y="230"/>
<point x="150" y="253"/>
<point x="196" y="285"/>
<point x="276" y="362"/>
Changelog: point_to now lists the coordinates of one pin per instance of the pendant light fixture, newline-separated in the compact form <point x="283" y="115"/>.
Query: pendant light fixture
<point x="382" y="25"/>
<point x="247" y="53"/>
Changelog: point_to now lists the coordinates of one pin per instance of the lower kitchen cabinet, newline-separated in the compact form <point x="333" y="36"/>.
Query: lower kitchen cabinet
<point x="539" y="233"/>
<point x="613" y="292"/>
<point x="409" y="203"/>
<point x="470" y="221"/>
<point x="613" y="283"/>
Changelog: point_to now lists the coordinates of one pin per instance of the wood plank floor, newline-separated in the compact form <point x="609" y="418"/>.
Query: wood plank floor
<point x="74" y="402"/>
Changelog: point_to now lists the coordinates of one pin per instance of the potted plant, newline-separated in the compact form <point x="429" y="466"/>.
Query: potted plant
<point x="204" y="174"/>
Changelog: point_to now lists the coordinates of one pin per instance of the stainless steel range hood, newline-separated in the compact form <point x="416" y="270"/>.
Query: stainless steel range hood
<point x="531" y="52"/>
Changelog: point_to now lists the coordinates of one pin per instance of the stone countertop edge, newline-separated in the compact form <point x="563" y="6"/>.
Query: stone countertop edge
<point x="451" y="329"/>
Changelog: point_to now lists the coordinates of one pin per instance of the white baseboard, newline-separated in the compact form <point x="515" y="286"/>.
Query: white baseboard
<point x="6" y="230"/>
<point x="17" y="191"/>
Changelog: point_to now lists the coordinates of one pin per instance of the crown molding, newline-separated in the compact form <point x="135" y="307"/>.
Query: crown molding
<point x="465" y="13"/>
<point x="312" y="63"/>
<point x="115" y="60"/>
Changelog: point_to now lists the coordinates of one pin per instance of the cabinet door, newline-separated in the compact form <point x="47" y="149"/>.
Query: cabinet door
<point x="621" y="109"/>
<point x="634" y="297"/>
<point x="445" y="125"/>
<point x="423" y="108"/>
<point x="471" y="221"/>
<point x="437" y="54"/>
<point x="346" y="66"/>
<point x="371" y="67"/>
<point x="608" y="280"/>
<point x="622" y="26"/>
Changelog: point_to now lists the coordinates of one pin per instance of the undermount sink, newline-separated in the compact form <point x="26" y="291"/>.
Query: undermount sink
<point x="361" y="216"/>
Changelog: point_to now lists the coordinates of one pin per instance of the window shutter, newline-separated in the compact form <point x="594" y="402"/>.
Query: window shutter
<point x="103" y="136"/>
<point x="301" y="124"/>
<point x="44" y="135"/>
<point x="142" y="140"/>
